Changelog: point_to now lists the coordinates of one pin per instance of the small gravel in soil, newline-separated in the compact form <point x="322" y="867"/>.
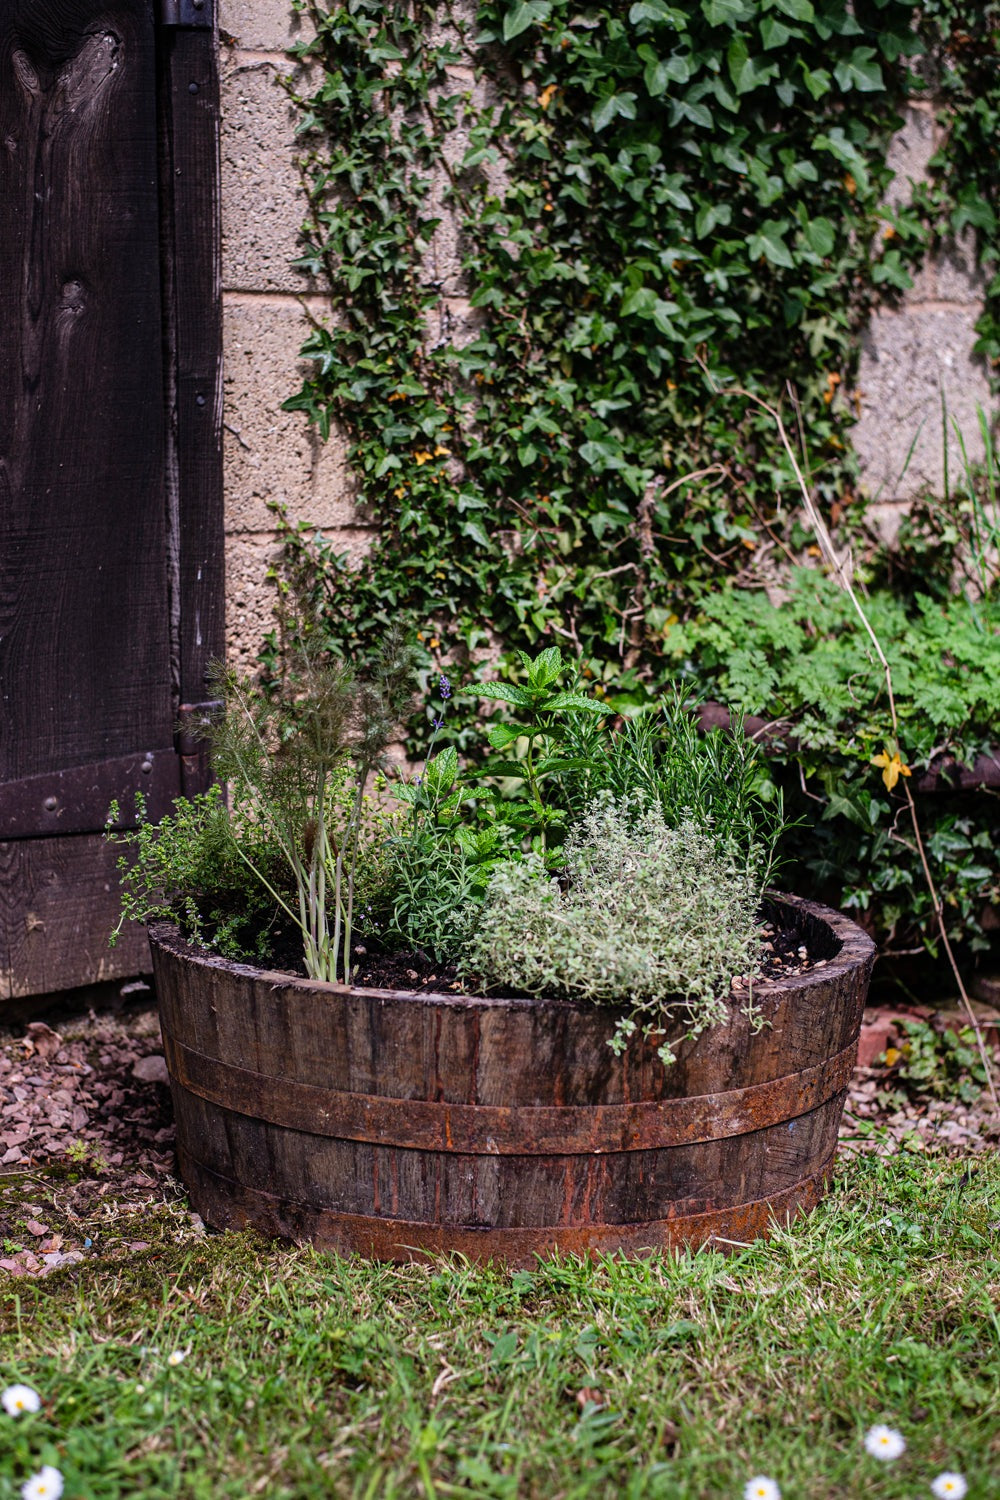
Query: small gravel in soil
<point x="87" y="1165"/>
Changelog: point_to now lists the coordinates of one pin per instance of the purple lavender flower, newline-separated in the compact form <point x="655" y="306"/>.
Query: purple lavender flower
<point x="438" y="723"/>
<point x="445" y="686"/>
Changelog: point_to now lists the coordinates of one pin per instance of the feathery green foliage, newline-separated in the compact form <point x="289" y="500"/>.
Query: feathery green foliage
<point x="290" y="754"/>
<point x="199" y="867"/>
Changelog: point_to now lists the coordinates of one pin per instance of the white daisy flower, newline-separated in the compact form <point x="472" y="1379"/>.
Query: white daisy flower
<point x="177" y="1358"/>
<point x="884" y="1442"/>
<point x="949" y="1487"/>
<point x="761" y="1488"/>
<point x="17" y="1399"/>
<point x="47" y="1484"/>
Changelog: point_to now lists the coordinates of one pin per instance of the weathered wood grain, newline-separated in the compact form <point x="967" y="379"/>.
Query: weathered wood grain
<point x="58" y="903"/>
<point x="84" y="623"/>
<point x="353" y="1111"/>
<point x="192" y="281"/>
<point x="110" y="456"/>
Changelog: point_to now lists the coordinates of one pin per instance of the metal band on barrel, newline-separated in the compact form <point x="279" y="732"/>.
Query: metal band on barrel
<point x="492" y="1130"/>
<point x="234" y="1205"/>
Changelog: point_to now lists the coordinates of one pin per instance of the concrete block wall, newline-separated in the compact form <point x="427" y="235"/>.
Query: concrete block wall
<point x="909" y="355"/>
<point x="269" y="454"/>
<point x="914" y="355"/>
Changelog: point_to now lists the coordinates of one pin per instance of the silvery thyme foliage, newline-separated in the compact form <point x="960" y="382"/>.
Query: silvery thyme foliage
<point x="651" y="919"/>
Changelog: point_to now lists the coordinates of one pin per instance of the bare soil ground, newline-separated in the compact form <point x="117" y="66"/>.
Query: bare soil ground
<point x="86" y="1139"/>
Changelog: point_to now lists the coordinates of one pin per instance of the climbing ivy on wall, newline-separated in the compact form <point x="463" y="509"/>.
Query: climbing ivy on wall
<point x="963" y="195"/>
<point x="661" y="205"/>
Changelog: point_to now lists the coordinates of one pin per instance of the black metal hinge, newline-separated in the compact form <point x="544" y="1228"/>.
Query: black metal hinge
<point x="199" y="14"/>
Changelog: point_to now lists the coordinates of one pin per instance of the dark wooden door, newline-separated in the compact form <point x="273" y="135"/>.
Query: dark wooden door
<point x="110" y="525"/>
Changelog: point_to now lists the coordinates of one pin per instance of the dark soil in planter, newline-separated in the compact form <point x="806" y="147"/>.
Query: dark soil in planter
<point x="784" y="953"/>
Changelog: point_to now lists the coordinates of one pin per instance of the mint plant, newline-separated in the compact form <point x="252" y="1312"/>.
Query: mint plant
<point x="536" y="742"/>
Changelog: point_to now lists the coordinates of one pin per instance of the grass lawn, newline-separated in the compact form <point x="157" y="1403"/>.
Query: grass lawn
<point x="682" y="1376"/>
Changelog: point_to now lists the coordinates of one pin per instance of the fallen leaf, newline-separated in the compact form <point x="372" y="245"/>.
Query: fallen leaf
<point x="45" y="1042"/>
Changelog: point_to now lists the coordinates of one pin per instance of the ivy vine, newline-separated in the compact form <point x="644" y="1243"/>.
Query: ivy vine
<point x="690" y="199"/>
<point x="963" y="195"/>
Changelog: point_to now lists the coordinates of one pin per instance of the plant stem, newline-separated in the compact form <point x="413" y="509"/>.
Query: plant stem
<point x="840" y="567"/>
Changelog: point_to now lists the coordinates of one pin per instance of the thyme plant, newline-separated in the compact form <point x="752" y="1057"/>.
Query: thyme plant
<point x="652" y="919"/>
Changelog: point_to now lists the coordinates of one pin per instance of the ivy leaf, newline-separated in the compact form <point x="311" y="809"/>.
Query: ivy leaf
<point x="769" y="243"/>
<point x="657" y="10"/>
<point x="840" y="805"/>
<point x="890" y="271"/>
<point x="799" y="10"/>
<point x="726" y="12"/>
<point x="660" y="71"/>
<point x="709" y="216"/>
<point x="615" y="104"/>
<point x="747" y="72"/>
<point x="860" y="71"/>
<point x="698" y="114"/>
<point x="523" y="14"/>
<point x="601" y="455"/>
<point x="774" y="33"/>
<point x="820" y="235"/>
<point x="817" y="81"/>
<point x="476" y="532"/>
<point x="900" y="44"/>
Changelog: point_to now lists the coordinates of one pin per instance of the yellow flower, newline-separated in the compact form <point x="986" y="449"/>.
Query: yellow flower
<point x="422" y="456"/>
<point x="892" y="767"/>
<point x="547" y="95"/>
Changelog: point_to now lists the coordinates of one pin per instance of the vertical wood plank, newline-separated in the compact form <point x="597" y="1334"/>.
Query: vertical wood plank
<point x="84" y="627"/>
<point x="84" y="622"/>
<point x="189" y="137"/>
<point x="110" y="451"/>
<point x="58" y="903"/>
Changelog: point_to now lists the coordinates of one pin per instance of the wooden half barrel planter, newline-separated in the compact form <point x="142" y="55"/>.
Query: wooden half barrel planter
<point x="397" y="1124"/>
